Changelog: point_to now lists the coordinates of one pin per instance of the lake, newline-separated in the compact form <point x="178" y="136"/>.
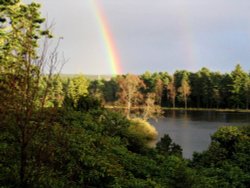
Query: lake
<point x="192" y="129"/>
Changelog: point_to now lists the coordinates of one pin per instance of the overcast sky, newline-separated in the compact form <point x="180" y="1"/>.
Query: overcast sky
<point x="154" y="35"/>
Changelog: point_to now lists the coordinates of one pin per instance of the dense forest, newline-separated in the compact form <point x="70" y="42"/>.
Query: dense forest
<point x="202" y="89"/>
<point x="183" y="89"/>
<point x="57" y="132"/>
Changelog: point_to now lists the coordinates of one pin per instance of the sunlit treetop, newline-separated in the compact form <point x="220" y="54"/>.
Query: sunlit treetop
<point x="9" y="2"/>
<point x="21" y="26"/>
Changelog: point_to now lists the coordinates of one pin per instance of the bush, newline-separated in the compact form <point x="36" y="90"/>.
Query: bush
<point x="167" y="147"/>
<point x="141" y="135"/>
<point x="143" y="129"/>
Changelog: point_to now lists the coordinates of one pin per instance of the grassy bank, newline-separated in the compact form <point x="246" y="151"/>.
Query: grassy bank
<point x="209" y="109"/>
<point x="188" y="109"/>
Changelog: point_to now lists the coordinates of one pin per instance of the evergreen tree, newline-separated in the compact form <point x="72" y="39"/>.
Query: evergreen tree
<point x="77" y="87"/>
<point x="21" y="97"/>
<point x="238" y="77"/>
<point x="247" y="91"/>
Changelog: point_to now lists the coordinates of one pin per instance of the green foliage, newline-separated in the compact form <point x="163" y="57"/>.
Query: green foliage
<point x="110" y="90"/>
<point x="227" y="137"/>
<point x="100" y="148"/>
<point x="95" y="89"/>
<point x="86" y="103"/>
<point x="176" y="173"/>
<point x="226" y="162"/>
<point x="77" y="87"/>
<point x="22" y="97"/>
<point x="239" y="78"/>
<point x="166" y="147"/>
<point x="53" y="134"/>
<point x="8" y="2"/>
<point x="226" y="176"/>
<point x="201" y="89"/>
<point x="142" y="133"/>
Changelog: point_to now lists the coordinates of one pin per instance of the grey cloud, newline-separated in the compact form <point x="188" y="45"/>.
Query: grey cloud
<point x="155" y="34"/>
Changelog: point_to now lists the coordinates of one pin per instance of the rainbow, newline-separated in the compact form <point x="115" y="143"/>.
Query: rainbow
<point x="190" y="50"/>
<point x="112" y="54"/>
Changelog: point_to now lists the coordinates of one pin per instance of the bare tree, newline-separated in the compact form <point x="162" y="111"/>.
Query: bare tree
<point x="129" y="93"/>
<point x="184" y="90"/>
<point x="172" y="91"/>
<point x="158" y="90"/>
<point x="150" y="109"/>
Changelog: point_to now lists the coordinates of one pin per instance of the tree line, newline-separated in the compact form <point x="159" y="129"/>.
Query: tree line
<point x="202" y="89"/>
<point x="183" y="89"/>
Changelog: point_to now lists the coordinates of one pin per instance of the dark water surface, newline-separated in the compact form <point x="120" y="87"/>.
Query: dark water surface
<point x="192" y="129"/>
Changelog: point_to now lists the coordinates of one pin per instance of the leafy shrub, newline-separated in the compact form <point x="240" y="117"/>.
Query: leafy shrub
<point x="143" y="129"/>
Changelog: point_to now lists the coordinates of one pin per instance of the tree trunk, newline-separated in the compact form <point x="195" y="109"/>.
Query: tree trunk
<point x="198" y="101"/>
<point x="247" y="103"/>
<point x="173" y="102"/>
<point x="23" y="182"/>
<point x="128" y="109"/>
<point x="185" y="99"/>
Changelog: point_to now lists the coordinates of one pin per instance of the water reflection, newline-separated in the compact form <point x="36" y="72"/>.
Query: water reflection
<point x="192" y="129"/>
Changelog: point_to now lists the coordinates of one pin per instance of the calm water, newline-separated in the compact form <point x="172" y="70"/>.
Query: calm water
<point x="192" y="129"/>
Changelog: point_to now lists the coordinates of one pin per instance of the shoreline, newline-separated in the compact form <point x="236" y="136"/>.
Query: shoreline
<point x="189" y="109"/>
<point x="208" y="109"/>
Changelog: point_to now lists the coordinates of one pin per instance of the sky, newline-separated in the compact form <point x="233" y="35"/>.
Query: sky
<point x="150" y="35"/>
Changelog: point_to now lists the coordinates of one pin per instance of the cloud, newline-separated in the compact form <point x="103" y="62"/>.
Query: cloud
<point x="155" y="35"/>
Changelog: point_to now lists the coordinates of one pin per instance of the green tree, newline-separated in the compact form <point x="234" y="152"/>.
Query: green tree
<point x="206" y="87"/>
<point x="216" y="90"/>
<point x="238" y="77"/>
<point x="226" y="162"/>
<point x="22" y="99"/>
<point x="77" y="87"/>
<point x="166" y="147"/>
<point x="196" y="84"/>
<point x="156" y="83"/>
<point x="149" y="82"/>
<point x="110" y="90"/>
<point x="247" y="91"/>
<point x="174" y="173"/>
<point x="55" y="93"/>
<point x="225" y="90"/>
<point x="95" y="89"/>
